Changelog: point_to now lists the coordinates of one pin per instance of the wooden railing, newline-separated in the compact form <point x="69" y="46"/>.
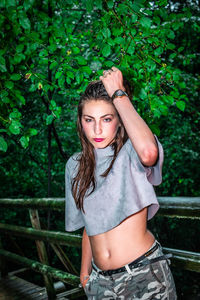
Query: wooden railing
<point x="178" y="207"/>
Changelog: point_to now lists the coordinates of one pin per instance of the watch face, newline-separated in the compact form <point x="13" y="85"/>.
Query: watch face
<point x="120" y="93"/>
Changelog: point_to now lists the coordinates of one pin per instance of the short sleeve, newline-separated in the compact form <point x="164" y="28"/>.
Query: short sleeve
<point x="73" y="215"/>
<point x="154" y="173"/>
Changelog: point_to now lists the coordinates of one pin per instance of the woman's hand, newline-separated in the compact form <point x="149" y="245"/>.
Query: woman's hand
<point x="112" y="80"/>
<point x="84" y="279"/>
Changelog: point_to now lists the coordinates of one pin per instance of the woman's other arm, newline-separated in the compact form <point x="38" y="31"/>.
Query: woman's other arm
<point x="139" y="133"/>
<point x="86" y="259"/>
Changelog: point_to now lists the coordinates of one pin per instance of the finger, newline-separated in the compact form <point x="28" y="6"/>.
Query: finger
<point x="114" y="69"/>
<point x="105" y="72"/>
<point x="101" y="78"/>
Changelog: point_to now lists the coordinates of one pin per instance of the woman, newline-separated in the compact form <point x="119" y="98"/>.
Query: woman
<point x="109" y="192"/>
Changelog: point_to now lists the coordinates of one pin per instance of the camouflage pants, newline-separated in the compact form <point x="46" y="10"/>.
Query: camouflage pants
<point x="148" y="282"/>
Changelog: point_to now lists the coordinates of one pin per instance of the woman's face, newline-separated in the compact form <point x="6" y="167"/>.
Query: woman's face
<point x="100" y="122"/>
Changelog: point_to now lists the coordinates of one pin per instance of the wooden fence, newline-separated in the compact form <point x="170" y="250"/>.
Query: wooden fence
<point x="178" y="207"/>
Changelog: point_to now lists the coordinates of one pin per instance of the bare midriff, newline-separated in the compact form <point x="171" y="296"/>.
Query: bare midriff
<point x="122" y="244"/>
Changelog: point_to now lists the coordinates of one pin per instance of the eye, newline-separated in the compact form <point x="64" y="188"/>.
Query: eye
<point x="88" y="120"/>
<point x="107" y="119"/>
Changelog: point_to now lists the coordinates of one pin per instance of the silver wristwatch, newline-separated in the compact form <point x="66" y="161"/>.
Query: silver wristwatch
<point x="119" y="93"/>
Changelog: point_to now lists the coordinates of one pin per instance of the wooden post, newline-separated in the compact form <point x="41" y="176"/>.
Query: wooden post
<point x="64" y="259"/>
<point x="3" y="269"/>
<point x="42" y="253"/>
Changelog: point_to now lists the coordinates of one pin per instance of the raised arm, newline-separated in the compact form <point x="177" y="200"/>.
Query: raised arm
<point x="86" y="259"/>
<point x="139" y="133"/>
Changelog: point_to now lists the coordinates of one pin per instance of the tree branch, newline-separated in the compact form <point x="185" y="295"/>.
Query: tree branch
<point x="62" y="152"/>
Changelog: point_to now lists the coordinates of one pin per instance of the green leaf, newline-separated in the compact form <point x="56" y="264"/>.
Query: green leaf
<point x="15" y="115"/>
<point x="172" y="56"/>
<point x="58" y="74"/>
<point x="53" y="65"/>
<point x="170" y="46"/>
<point x="156" y="19"/>
<point x="2" y="3"/>
<point x="106" y="32"/>
<point x="10" y="3"/>
<point x="5" y="100"/>
<point x="24" y="141"/>
<point x="106" y="50"/>
<point x="70" y="74"/>
<point x="109" y="64"/>
<point x="171" y="34"/>
<point x="76" y="50"/>
<point x="49" y="119"/>
<point x="89" y="5"/>
<point x="61" y="81"/>
<point x="19" y="48"/>
<point x="98" y="4"/>
<point x="137" y="5"/>
<point x="119" y="40"/>
<point x="151" y="65"/>
<point x="155" y="129"/>
<point x="86" y="70"/>
<point x="143" y="94"/>
<point x="134" y="18"/>
<point x="168" y="99"/>
<point x="15" y="127"/>
<point x="79" y="77"/>
<point x="20" y="97"/>
<point x="3" y="144"/>
<point x="133" y="31"/>
<point x="24" y="22"/>
<point x="131" y="50"/>
<point x="43" y="53"/>
<point x="145" y="22"/>
<point x="81" y="60"/>
<point x="32" y="132"/>
<point x="117" y="31"/>
<point x="158" y="51"/>
<point x="18" y="58"/>
<point x="53" y="104"/>
<point x="2" y="64"/>
<point x="9" y="85"/>
<point x="180" y="105"/>
<point x="110" y="3"/>
<point x="28" y="4"/>
<point x="176" y="25"/>
<point x="122" y="8"/>
<point x="15" y="77"/>
<point x="110" y="42"/>
<point x="180" y="49"/>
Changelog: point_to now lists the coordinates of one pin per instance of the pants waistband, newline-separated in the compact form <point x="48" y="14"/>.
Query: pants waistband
<point x="136" y="263"/>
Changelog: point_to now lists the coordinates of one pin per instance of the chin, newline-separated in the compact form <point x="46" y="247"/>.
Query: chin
<point x="100" y="145"/>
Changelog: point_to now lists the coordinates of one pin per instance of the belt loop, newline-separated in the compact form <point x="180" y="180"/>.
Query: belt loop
<point x="128" y="269"/>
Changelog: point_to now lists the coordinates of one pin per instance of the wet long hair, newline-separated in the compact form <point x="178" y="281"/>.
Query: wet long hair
<point x="85" y="177"/>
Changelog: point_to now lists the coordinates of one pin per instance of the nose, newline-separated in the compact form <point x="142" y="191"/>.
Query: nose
<point x="97" y="128"/>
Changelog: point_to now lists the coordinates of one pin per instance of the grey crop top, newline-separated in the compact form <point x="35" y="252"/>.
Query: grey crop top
<point x="126" y="190"/>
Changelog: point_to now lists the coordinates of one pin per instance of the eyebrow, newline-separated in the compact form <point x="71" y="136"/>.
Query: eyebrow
<point x="100" y="117"/>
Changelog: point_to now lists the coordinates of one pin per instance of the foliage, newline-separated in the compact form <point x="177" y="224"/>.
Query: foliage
<point x="45" y="51"/>
<point x="53" y="49"/>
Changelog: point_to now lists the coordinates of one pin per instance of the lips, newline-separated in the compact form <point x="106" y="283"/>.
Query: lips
<point x="98" y="140"/>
